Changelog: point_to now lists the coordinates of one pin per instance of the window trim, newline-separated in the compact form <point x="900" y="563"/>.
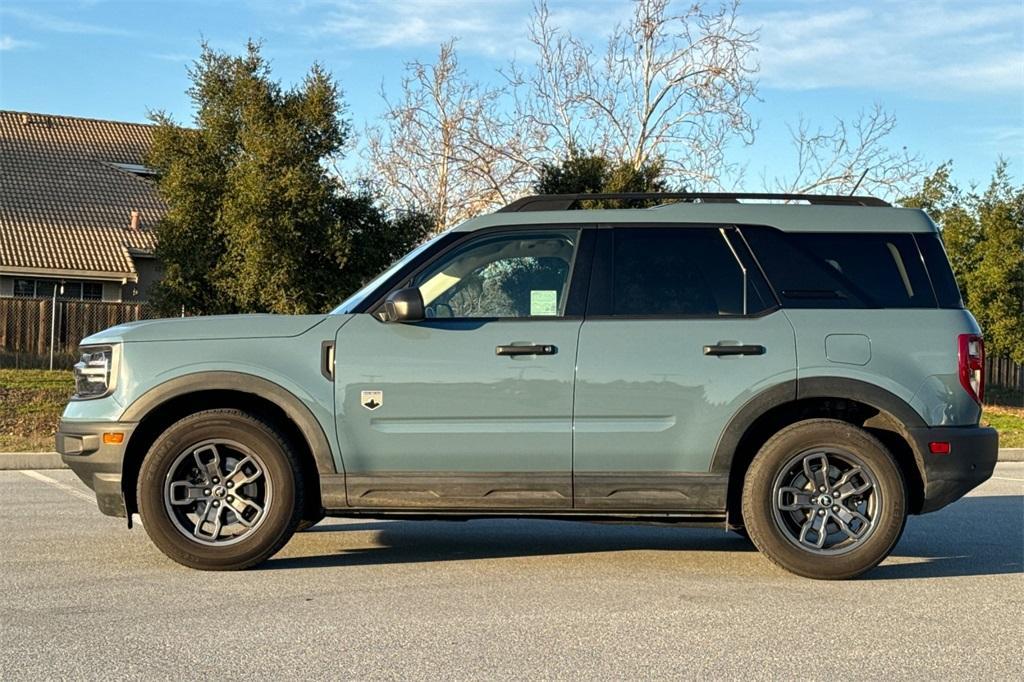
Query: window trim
<point x="579" y="270"/>
<point x="600" y="294"/>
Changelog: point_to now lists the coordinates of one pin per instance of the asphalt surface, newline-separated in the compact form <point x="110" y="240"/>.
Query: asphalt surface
<point x="82" y="597"/>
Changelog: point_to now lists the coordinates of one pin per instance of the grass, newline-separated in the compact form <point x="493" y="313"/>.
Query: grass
<point x="31" y="401"/>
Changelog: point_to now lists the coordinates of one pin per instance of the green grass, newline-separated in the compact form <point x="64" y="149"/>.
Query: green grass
<point x="1008" y="421"/>
<point x="31" y="401"/>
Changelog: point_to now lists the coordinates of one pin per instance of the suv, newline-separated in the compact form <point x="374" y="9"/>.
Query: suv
<point x="799" y="369"/>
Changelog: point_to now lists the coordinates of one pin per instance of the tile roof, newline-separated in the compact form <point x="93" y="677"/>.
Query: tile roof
<point x="65" y="207"/>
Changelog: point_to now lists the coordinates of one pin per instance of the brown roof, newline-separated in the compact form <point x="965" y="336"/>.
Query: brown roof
<point x="65" y="207"/>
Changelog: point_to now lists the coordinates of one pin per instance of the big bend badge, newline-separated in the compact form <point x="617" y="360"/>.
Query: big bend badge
<point x="371" y="400"/>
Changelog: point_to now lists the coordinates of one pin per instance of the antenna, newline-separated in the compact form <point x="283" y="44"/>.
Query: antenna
<point x="862" y="176"/>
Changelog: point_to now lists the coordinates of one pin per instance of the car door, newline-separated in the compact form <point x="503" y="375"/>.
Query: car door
<point x="681" y="331"/>
<point x="471" y="407"/>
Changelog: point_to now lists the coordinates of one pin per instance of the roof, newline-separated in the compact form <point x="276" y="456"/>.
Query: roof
<point x="66" y="203"/>
<point x="788" y="217"/>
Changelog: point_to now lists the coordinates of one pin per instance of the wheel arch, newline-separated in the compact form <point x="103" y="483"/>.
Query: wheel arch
<point x="882" y="413"/>
<point x="170" y="401"/>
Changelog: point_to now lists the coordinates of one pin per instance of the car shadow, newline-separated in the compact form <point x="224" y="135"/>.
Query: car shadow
<point x="975" y="536"/>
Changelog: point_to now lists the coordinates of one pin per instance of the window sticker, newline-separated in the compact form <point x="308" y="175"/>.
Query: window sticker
<point x="543" y="302"/>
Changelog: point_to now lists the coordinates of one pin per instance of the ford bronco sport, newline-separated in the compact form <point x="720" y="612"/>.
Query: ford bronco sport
<point x="800" y="369"/>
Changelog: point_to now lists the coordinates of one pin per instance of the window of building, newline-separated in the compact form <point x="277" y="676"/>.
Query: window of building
<point x="74" y="290"/>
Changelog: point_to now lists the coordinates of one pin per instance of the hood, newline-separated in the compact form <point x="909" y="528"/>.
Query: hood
<point x="208" y="328"/>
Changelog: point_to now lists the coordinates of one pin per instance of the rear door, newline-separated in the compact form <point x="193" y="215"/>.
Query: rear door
<point x="472" y="407"/>
<point x="681" y="330"/>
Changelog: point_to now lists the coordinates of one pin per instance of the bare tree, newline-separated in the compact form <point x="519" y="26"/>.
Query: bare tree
<point x="850" y="157"/>
<point x="669" y="85"/>
<point x="446" y="146"/>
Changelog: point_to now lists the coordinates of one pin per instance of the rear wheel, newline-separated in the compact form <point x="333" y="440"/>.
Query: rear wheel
<point x="220" y="490"/>
<point x="824" y="499"/>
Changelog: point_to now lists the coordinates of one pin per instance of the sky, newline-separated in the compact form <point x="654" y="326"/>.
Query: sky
<point x="951" y="72"/>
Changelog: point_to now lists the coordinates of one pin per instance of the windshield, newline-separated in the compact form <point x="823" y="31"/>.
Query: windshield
<point x="353" y="301"/>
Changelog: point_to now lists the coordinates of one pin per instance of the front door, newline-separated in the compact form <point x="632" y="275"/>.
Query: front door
<point x="681" y="331"/>
<point x="472" y="407"/>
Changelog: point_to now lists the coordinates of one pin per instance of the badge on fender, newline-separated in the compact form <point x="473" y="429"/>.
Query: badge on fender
<point x="371" y="400"/>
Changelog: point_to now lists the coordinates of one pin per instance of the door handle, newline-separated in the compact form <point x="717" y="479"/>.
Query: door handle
<point x="724" y="349"/>
<point x="541" y="349"/>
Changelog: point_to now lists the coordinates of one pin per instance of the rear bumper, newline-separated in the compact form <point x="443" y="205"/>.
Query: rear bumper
<point x="973" y="451"/>
<point x="98" y="464"/>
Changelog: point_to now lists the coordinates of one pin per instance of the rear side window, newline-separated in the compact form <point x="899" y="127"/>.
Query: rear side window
<point x="935" y="259"/>
<point x="843" y="270"/>
<point x="680" y="272"/>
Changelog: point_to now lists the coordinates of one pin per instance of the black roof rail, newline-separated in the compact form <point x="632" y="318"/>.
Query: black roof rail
<point x="563" y="202"/>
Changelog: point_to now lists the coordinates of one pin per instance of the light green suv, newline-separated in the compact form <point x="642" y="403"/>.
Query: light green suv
<point x="800" y="369"/>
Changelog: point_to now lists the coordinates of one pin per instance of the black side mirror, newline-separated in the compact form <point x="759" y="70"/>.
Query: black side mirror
<point x="404" y="305"/>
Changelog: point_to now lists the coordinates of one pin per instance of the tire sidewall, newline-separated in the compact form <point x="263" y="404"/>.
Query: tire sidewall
<point x="281" y="517"/>
<point x="759" y="499"/>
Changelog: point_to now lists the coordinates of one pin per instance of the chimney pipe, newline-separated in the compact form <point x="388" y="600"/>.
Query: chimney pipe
<point x="135" y="220"/>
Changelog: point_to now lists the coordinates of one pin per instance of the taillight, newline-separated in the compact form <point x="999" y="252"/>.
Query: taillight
<point x="972" y="365"/>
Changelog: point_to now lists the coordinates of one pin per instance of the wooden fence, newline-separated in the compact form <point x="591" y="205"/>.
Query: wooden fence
<point x="27" y="325"/>
<point x="1004" y="373"/>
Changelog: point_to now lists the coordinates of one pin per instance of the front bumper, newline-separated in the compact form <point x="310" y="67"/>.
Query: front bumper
<point x="98" y="464"/>
<point x="973" y="451"/>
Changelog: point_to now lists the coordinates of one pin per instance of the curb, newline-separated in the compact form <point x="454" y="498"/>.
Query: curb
<point x="11" y="461"/>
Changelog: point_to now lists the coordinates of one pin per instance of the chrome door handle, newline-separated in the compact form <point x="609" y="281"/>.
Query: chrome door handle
<point x="541" y="349"/>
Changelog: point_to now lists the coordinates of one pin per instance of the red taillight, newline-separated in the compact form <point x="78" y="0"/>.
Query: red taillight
<point x="939" y="447"/>
<point x="972" y="365"/>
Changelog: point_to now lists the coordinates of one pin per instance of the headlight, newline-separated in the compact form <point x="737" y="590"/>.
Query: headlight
<point x="94" y="372"/>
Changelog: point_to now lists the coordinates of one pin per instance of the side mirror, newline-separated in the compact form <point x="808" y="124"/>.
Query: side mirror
<point x="404" y="305"/>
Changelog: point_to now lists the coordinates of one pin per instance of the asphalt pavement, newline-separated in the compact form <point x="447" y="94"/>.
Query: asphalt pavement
<point x="83" y="597"/>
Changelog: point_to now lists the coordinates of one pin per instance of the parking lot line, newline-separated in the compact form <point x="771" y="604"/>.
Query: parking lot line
<point x="57" y="484"/>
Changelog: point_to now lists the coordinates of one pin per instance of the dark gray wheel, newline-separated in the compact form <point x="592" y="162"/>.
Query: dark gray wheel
<point x="824" y="499"/>
<point x="220" y="490"/>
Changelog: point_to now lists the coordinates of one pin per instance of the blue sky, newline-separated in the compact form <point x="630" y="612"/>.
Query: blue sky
<point x="952" y="72"/>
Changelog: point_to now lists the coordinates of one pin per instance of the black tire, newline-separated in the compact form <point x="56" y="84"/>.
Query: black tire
<point x="773" y="532"/>
<point x="276" y="523"/>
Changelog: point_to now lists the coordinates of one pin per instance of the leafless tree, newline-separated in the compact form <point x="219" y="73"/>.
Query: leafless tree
<point x="852" y="156"/>
<point x="669" y="85"/>
<point x="446" y="146"/>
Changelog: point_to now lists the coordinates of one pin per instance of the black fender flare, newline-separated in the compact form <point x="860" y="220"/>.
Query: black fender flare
<point x="196" y="382"/>
<point x="813" y="387"/>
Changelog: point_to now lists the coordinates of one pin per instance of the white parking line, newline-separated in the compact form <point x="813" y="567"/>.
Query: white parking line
<point x="57" y="484"/>
<point x="1004" y="478"/>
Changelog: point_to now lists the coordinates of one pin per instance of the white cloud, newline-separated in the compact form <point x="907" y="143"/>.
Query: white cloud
<point x="8" y="43"/>
<point x="933" y="48"/>
<point x="47" y="22"/>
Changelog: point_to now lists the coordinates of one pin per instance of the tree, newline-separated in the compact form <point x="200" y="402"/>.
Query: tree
<point x="445" y="147"/>
<point x="255" y="221"/>
<point x="851" y="157"/>
<point x="670" y="87"/>
<point x="984" y="237"/>
<point x="589" y="173"/>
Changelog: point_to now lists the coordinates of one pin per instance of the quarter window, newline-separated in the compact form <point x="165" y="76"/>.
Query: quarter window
<point x="843" y="270"/>
<point x="510" y="275"/>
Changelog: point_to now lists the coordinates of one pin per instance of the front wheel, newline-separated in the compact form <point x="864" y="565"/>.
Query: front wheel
<point x="220" y="490"/>
<point x="824" y="499"/>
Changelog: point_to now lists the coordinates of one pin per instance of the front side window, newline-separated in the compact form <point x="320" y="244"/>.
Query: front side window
<point x="685" y="272"/>
<point x="525" y="274"/>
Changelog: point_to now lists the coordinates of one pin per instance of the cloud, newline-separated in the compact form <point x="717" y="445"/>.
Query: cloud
<point x="7" y="43"/>
<point x="933" y="48"/>
<point x="46" y="22"/>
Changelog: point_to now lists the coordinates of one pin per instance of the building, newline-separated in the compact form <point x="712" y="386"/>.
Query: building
<point x="77" y="208"/>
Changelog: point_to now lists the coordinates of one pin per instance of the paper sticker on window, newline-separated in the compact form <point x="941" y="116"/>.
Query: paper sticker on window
<point x="543" y="302"/>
